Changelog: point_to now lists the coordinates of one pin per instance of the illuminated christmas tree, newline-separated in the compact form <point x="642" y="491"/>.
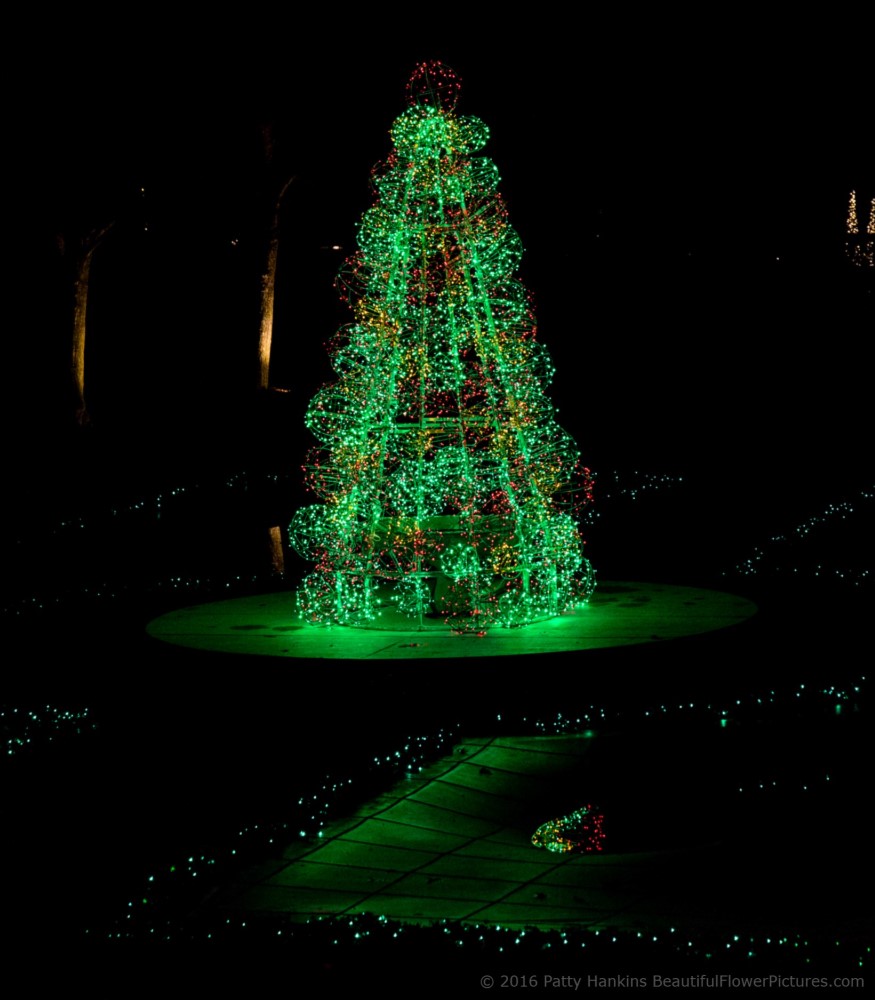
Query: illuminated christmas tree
<point x="448" y="489"/>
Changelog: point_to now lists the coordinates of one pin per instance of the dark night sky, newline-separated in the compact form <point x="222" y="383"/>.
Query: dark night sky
<point x="680" y="190"/>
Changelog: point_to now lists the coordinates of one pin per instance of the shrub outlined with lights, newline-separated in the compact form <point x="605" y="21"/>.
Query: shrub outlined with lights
<point x="580" y="831"/>
<point x="448" y="490"/>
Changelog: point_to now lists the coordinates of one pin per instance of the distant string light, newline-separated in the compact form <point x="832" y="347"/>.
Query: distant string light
<point x="860" y="249"/>
<point x="853" y="225"/>
<point x="782" y="553"/>
<point x="32" y="728"/>
<point x="130" y="517"/>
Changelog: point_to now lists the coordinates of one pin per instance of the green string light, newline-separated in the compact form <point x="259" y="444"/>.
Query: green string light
<point x="447" y="488"/>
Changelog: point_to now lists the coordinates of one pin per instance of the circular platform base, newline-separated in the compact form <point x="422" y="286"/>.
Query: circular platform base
<point x="619" y="614"/>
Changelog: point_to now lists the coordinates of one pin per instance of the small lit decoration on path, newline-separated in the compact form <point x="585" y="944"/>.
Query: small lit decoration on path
<point x="448" y="490"/>
<point x="580" y="831"/>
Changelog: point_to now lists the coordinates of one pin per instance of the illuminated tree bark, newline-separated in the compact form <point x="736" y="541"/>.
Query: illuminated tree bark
<point x="449" y="490"/>
<point x="81" y="266"/>
<point x="268" y="274"/>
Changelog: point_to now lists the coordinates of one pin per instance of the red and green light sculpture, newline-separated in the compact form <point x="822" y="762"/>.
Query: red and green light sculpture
<point x="579" y="831"/>
<point x="447" y="488"/>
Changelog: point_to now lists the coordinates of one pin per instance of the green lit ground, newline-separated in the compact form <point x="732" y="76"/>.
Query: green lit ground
<point x="619" y="614"/>
<point x="703" y="815"/>
<point x="454" y="842"/>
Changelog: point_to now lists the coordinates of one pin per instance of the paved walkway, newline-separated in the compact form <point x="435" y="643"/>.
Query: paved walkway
<point x="454" y="842"/>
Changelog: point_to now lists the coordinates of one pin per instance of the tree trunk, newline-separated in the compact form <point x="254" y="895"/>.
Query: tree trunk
<point x="268" y="291"/>
<point x="82" y="275"/>
<point x="77" y="358"/>
<point x="275" y="543"/>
